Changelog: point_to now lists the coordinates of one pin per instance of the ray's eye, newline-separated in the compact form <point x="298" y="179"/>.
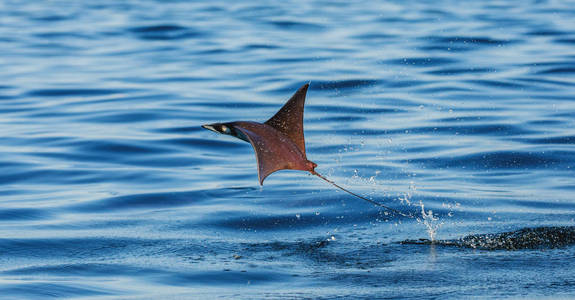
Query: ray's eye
<point x="225" y="129"/>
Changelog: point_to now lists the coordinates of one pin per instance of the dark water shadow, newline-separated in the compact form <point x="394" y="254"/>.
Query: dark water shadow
<point x="526" y="238"/>
<point x="164" y="32"/>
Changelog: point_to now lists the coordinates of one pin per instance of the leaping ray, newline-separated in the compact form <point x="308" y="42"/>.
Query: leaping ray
<point x="279" y="142"/>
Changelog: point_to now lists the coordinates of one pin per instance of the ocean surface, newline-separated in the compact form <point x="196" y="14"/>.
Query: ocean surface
<point x="461" y="113"/>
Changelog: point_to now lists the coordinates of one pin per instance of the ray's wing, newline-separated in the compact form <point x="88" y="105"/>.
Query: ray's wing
<point x="274" y="150"/>
<point x="289" y="119"/>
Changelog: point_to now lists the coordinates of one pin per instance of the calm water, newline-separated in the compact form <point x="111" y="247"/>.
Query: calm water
<point x="109" y="187"/>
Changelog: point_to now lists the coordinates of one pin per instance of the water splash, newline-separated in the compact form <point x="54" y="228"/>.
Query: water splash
<point x="431" y="221"/>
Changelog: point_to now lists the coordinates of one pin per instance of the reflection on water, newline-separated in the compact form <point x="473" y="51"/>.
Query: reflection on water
<point x="111" y="188"/>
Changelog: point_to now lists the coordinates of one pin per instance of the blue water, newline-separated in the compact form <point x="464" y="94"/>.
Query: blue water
<point x="110" y="189"/>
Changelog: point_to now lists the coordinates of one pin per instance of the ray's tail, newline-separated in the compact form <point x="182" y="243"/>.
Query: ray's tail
<point x="362" y="197"/>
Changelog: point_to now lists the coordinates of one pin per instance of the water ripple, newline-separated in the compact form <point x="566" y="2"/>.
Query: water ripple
<point x="74" y="92"/>
<point x="164" y="32"/>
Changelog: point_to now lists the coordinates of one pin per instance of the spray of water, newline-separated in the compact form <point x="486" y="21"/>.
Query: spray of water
<point x="432" y="222"/>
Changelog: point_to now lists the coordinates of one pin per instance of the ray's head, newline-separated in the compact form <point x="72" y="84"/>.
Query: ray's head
<point x="225" y="128"/>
